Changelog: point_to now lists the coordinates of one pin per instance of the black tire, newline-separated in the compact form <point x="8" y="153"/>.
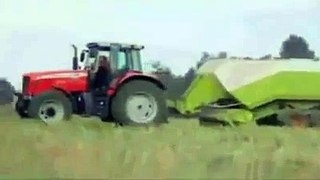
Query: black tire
<point x="21" y="107"/>
<point x="21" y="112"/>
<point x="130" y="89"/>
<point x="271" y="120"/>
<point x="106" y="119"/>
<point x="57" y="97"/>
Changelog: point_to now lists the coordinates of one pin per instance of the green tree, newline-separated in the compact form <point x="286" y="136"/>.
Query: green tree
<point x="222" y="55"/>
<point x="160" y="68"/>
<point x="204" y="58"/>
<point x="189" y="76"/>
<point x="268" y="56"/>
<point x="296" y="47"/>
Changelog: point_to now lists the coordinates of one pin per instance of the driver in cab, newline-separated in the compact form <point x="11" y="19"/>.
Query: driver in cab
<point x="103" y="74"/>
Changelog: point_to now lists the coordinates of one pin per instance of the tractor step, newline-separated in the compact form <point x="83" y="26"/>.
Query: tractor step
<point x="101" y="106"/>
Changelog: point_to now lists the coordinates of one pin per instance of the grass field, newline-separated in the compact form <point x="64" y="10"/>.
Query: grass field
<point x="88" y="148"/>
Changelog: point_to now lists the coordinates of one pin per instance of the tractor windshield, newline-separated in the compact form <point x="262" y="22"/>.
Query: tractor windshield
<point x="91" y="62"/>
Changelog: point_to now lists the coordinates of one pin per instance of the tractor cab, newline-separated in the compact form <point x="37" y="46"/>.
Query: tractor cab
<point x="110" y="59"/>
<point x="104" y="62"/>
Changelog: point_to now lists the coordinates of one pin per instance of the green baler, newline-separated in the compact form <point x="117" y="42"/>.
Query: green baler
<point x="233" y="91"/>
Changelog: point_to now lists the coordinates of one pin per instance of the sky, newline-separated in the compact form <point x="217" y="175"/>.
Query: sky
<point x="36" y="35"/>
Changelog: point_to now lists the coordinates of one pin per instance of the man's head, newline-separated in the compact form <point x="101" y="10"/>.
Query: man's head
<point x="104" y="62"/>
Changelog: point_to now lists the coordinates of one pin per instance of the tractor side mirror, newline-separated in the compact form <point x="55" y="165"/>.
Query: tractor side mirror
<point x="82" y="56"/>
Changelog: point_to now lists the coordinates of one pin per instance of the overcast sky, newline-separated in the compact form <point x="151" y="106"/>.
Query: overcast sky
<point x="37" y="34"/>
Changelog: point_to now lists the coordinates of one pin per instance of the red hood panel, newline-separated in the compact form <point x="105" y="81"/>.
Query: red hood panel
<point x="68" y="80"/>
<point x="57" y="74"/>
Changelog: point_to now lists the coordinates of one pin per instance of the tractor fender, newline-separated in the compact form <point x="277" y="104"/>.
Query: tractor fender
<point x="65" y="92"/>
<point x="120" y="81"/>
<point x="58" y="89"/>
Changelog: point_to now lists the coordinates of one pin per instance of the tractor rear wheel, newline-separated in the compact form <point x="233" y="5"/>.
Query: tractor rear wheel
<point x="139" y="102"/>
<point x="50" y="107"/>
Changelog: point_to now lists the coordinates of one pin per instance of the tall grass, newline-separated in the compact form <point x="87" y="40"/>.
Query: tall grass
<point x="89" y="148"/>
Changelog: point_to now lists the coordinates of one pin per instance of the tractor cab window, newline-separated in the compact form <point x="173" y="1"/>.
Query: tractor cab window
<point x="126" y="59"/>
<point x="122" y="62"/>
<point x="136" y="60"/>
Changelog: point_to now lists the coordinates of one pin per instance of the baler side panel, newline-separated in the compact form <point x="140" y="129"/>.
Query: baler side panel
<point x="204" y="89"/>
<point x="280" y="86"/>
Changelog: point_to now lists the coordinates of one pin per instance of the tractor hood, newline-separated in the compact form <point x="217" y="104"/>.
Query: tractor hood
<point x="66" y="80"/>
<point x="56" y="74"/>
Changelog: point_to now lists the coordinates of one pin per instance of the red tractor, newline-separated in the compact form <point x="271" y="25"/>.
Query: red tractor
<point x="110" y="85"/>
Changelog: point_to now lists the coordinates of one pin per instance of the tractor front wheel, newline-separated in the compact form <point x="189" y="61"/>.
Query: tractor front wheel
<point x="21" y="107"/>
<point x="50" y="107"/>
<point x="139" y="102"/>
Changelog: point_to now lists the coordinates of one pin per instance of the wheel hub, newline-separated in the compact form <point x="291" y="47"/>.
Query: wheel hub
<point x="51" y="111"/>
<point x="141" y="108"/>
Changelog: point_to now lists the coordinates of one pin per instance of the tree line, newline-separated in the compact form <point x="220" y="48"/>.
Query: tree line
<point x="293" y="47"/>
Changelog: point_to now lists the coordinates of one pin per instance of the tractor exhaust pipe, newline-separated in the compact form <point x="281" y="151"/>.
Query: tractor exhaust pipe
<point x="75" y="58"/>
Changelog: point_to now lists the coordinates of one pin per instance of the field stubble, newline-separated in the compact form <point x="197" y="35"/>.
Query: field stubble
<point x="89" y="148"/>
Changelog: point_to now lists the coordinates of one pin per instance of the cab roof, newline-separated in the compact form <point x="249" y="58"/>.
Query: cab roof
<point x="107" y="45"/>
